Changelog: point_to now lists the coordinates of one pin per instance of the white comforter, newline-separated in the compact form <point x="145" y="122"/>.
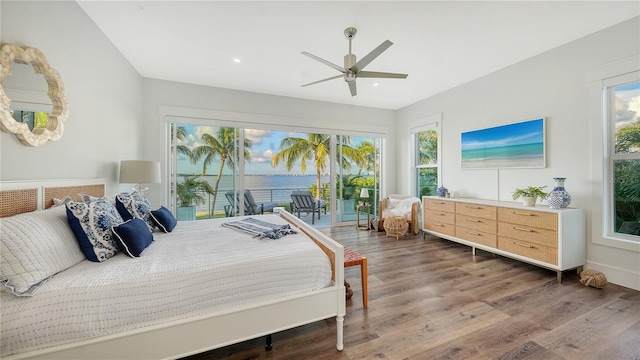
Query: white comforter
<point x="199" y="268"/>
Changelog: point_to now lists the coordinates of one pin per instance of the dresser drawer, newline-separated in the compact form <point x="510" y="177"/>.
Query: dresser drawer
<point x="476" y="210"/>
<point x="476" y="223"/>
<point x="440" y="205"/>
<point x="447" y="229"/>
<point x="476" y="236"/>
<point x="530" y="234"/>
<point x="530" y="250"/>
<point x="529" y="218"/>
<point x="439" y="216"/>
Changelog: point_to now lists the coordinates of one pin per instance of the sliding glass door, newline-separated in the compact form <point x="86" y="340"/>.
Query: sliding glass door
<point x="212" y="167"/>
<point x="358" y="169"/>
<point x="204" y="169"/>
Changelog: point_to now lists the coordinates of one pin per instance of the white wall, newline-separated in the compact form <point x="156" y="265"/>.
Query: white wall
<point x="252" y="110"/>
<point x="554" y="85"/>
<point x="103" y="90"/>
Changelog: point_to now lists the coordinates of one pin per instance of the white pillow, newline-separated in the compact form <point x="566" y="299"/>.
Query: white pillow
<point x="36" y="246"/>
<point x="60" y="202"/>
<point x="393" y="203"/>
<point x="408" y="202"/>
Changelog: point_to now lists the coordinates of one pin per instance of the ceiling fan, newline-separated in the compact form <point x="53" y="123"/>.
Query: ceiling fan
<point x="352" y="69"/>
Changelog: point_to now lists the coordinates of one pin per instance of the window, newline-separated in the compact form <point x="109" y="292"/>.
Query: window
<point x="426" y="162"/>
<point x="622" y="181"/>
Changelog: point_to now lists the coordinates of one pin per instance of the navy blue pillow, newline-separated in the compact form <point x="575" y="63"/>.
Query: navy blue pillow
<point x="132" y="236"/>
<point x="164" y="219"/>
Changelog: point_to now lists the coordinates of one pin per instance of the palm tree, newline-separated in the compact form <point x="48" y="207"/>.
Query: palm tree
<point x="628" y="138"/>
<point x="428" y="145"/>
<point x="224" y="144"/>
<point x="181" y="134"/>
<point x="314" y="148"/>
<point x="627" y="178"/>
<point x="369" y="152"/>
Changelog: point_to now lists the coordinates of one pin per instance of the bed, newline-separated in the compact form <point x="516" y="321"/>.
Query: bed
<point x="182" y="296"/>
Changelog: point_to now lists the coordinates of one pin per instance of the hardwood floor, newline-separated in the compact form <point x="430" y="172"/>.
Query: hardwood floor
<point x="431" y="299"/>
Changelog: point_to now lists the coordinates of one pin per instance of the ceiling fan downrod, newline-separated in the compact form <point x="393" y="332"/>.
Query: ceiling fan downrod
<point x="349" y="59"/>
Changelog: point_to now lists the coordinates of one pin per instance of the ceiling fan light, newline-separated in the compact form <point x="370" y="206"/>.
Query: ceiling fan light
<point x="350" y="77"/>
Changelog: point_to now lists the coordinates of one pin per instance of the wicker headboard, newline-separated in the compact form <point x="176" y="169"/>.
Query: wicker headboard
<point x="21" y="198"/>
<point x="13" y="202"/>
<point x="71" y="191"/>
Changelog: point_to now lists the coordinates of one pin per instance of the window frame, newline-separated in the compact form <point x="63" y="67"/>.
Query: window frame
<point x="610" y="155"/>
<point x="242" y="121"/>
<point x="434" y="123"/>
<point x="599" y="78"/>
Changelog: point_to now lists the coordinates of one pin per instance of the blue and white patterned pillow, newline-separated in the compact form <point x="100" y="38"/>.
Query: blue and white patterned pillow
<point x="91" y="223"/>
<point x="134" y="205"/>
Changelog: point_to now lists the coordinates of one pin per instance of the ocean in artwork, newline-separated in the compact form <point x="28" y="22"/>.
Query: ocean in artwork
<point x="522" y="155"/>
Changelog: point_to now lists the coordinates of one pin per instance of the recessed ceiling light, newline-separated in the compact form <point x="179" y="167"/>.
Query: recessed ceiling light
<point x="376" y="84"/>
<point x="236" y="60"/>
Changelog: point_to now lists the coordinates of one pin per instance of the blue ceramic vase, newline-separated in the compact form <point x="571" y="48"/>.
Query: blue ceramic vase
<point x="559" y="198"/>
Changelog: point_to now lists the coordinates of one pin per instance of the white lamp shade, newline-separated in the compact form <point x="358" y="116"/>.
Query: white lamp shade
<point x="364" y="193"/>
<point x="139" y="172"/>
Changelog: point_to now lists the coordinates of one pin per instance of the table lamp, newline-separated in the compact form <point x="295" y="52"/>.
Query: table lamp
<point x="139" y="172"/>
<point x="364" y="195"/>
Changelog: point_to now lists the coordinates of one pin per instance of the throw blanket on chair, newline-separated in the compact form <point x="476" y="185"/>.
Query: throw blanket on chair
<point x="260" y="229"/>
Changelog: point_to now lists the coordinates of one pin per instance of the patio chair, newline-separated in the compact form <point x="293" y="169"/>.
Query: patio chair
<point x="303" y="201"/>
<point x="250" y="205"/>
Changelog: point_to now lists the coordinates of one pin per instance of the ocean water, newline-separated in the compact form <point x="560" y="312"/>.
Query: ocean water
<point x="513" y="152"/>
<point x="264" y="188"/>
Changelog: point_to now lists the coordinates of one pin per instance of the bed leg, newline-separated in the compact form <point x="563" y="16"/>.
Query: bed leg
<point x="268" y="346"/>
<point x="340" y="332"/>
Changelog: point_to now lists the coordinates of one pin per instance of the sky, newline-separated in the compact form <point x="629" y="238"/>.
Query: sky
<point x="526" y="132"/>
<point x="627" y="103"/>
<point x="264" y="143"/>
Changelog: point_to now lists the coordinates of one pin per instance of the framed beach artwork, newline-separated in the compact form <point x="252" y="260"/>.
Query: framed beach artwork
<point x="517" y="145"/>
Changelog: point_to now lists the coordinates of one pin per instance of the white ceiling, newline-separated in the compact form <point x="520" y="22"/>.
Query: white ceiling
<point x="440" y="44"/>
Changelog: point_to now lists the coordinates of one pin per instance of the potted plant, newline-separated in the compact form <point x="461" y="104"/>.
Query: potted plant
<point x="347" y="202"/>
<point x="530" y="194"/>
<point x="191" y="192"/>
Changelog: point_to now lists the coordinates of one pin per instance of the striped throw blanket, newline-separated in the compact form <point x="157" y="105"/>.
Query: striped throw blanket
<point x="260" y="229"/>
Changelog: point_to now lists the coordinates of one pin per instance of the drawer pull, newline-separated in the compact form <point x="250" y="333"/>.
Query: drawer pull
<point x="524" y="245"/>
<point x="474" y="233"/>
<point x="523" y="213"/>
<point x="474" y="220"/>
<point x="522" y="229"/>
<point x="473" y="207"/>
<point x="439" y="214"/>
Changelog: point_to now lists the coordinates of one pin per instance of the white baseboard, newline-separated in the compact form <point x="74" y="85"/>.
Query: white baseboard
<point x="617" y="275"/>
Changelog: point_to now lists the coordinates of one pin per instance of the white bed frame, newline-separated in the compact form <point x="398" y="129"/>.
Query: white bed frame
<point x="215" y="330"/>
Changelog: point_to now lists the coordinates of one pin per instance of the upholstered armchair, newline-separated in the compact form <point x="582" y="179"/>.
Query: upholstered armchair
<point x="406" y="206"/>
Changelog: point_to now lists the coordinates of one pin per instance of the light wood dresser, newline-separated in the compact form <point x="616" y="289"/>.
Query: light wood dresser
<point x="551" y="238"/>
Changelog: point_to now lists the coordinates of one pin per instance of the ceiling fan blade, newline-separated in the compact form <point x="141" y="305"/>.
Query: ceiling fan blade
<point x="323" y="80"/>
<point x="352" y="88"/>
<point x="328" y="63"/>
<point x="376" y="74"/>
<point x="370" y="56"/>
